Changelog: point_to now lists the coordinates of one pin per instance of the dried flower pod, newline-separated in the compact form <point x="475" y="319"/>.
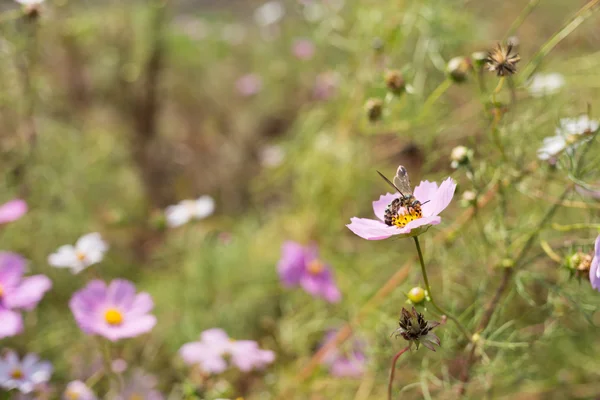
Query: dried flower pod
<point x="415" y="329"/>
<point x="394" y="81"/>
<point x="374" y="109"/>
<point x="502" y="61"/>
<point x="458" y="69"/>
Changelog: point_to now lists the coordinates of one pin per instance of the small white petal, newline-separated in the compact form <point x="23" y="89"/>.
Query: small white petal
<point x="177" y="215"/>
<point x="204" y="207"/>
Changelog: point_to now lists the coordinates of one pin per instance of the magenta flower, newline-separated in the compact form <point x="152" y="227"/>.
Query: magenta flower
<point x="303" y="49"/>
<point x="216" y="348"/>
<point x="433" y="201"/>
<point x="345" y="363"/>
<point x="23" y="375"/>
<point x="17" y="293"/>
<point x="301" y="266"/>
<point x="595" y="266"/>
<point x="12" y="210"/>
<point x="114" y="311"/>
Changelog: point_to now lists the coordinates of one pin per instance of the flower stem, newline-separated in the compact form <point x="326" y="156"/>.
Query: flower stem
<point x="393" y="370"/>
<point x="107" y="361"/>
<point x="430" y="294"/>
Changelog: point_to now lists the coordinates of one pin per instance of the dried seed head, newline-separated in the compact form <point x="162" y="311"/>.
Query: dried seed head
<point x="394" y="81"/>
<point x="374" y="109"/>
<point x="415" y="329"/>
<point x="502" y="61"/>
<point x="580" y="264"/>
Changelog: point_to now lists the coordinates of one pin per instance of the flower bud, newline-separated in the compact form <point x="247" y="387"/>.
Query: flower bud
<point x="479" y="59"/>
<point x="416" y="295"/>
<point x="394" y="81"/>
<point x="460" y="155"/>
<point x="374" y="109"/>
<point x="458" y="69"/>
<point x="507" y="263"/>
<point x="468" y="198"/>
<point x="580" y="264"/>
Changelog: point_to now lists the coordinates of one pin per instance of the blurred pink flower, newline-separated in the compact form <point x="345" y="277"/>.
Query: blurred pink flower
<point x="326" y="85"/>
<point x="433" y="200"/>
<point x="595" y="266"/>
<point x="23" y="375"/>
<point x="216" y="347"/>
<point x="77" y="390"/>
<point x="301" y="266"/>
<point x="350" y="362"/>
<point x="140" y="386"/>
<point x="249" y="85"/>
<point x="12" y="210"/>
<point x="17" y="292"/>
<point x="303" y="49"/>
<point x="114" y="311"/>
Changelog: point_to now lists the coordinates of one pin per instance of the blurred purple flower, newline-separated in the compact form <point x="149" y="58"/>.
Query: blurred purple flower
<point x="303" y="49"/>
<point x="593" y="194"/>
<point x="77" y="390"/>
<point x="433" y="200"/>
<point x="301" y="266"/>
<point x="249" y="85"/>
<point x="350" y="363"/>
<point x="595" y="266"/>
<point x="88" y="250"/>
<point x="25" y="374"/>
<point x="12" y="210"/>
<point x="17" y="292"/>
<point x="326" y="85"/>
<point x="140" y="386"/>
<point x="216" y="347"/>
<point x="114" y="311"/>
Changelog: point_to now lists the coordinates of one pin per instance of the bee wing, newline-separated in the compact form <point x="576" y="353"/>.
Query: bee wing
<point x="402" y="181"/>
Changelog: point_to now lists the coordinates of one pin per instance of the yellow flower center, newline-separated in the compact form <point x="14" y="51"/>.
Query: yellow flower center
<point x="1" y="291"/>
<point x="573" y="138"/>
<point x="113" y="316"/>
<point x="72" y="395"/>
<point x="16" y="373"/>
<point x="402" y="219"/>
<point x="135" y="396"/>
<point x="80" y="256"/>
<point x="315" y="267"/>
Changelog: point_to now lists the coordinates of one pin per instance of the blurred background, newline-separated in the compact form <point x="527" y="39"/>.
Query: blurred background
<point x="112" y="111"/>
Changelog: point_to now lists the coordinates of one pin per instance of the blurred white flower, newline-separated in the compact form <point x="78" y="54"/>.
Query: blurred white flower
<point x="88" y="250"/>
<point x="269" y="13"/>
<point x="545" y="84"/>
<point x="271" y="156"/>
<point x="187" y="210"/>
<point x="30" y="2"/>
<point x="569" y="134"/>
<point x="77" y="390"/>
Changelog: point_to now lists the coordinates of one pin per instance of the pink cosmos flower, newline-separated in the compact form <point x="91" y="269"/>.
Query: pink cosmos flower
<point x="114" y="311"/>
<point x="17" y="292"/>
<point x="301" y="266"/>
<point x="23" y="375"/>
<point x="595" y="266"/>
<point x="12" y="210"/>
<point x="210" y="353"/>
<point x="345" y="363"/>
<point x="303" y="49"/>
<point x="434" y="199"/>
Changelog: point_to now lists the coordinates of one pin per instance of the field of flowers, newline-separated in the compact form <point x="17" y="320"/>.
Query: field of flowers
<point x="303" y="199"/>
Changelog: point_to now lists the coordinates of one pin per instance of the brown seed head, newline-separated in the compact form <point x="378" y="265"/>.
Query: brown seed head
<point x="502" y="61"/>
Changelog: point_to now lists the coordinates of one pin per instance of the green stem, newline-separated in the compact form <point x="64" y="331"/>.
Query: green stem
<point x="393" y="370"/>
<point x="520" y="19"/>
<point x="107" y="361"/>
<point x="430" y="294"/>
<point x="434" y="96"/>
